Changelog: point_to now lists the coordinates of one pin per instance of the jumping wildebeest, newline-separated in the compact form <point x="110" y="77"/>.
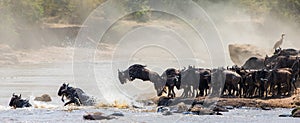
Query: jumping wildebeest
<point x="138" y="71"/>
<point x="17" y="102"/>
<point x="75" y="95"/>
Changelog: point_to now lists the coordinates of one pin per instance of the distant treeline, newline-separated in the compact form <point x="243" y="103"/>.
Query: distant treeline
<point x="18" y="15"/>
<point x="75" y="11"/>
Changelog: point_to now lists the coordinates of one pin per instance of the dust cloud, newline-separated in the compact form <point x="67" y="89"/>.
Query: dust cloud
<point x="233" y="23"/>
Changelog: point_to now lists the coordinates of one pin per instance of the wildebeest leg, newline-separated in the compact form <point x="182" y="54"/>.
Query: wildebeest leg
<point x="74" y="100"/>
<point x="278" y="89"/>
<point x="173" y="92"/>
<point x="238" y="91"/>
<point x="163" y="90"/>
<point x="62" y="98"/>
<point x="77" y="101"/>
<point x="170" y="93"/>
<point x="293" y="81"/>
<point x="71" y="101"/>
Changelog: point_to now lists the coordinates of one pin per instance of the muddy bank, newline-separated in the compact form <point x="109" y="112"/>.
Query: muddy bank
<point x="272" y="102"/>
<point x="284" y="102"/>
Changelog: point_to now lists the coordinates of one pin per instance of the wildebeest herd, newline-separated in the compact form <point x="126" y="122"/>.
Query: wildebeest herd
<point x="274" y="76"/>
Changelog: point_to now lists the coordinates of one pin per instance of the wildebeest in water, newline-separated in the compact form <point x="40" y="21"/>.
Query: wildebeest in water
<point x="17" y="102"/>
<point x="75" y="95"/>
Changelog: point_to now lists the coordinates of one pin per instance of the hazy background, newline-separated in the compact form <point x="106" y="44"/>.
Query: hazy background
<point x="30" y="30"/>
<point x="38" y="32"/>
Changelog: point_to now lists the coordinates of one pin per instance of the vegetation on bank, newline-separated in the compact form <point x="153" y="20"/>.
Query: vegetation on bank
<point x="24" y="14"/>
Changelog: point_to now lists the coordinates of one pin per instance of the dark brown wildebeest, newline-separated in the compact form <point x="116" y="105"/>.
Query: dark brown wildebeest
<point x="196" y="78"/>
<point x="17" y="102"/>
<point x="205" y="81"/>
<point x="285" y="61"/>
<point x="261" y="82"/>
<point x="286" y="52"/>
<point x="138" y="71"/>
<point x="173" y="78"/>
<point x="280" y="78"/>
<point x="189" y="81"/>
<point x="249" y="85"/>
<point x="232" y="82"/>
<point x="75" y="95"/>
<point x="254" y="63"/>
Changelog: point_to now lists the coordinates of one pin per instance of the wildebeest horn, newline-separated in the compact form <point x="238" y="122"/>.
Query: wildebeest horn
<point x="13" y="94"/>
<point x="20" y="96"/>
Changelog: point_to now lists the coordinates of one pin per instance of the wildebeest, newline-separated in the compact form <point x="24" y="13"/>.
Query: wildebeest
<point x="17" y="102"/>
<point x="205" y="79"/>
<point x="254" y="63"/>
<point x="280" y="78"/>
<point x="75" y="95"/>
<point x="232" y="82"/>
<point x="138" y="71"/>
<point x="190" y="78"/>
<point x="173" y="78"/>
<point x="249" y="85"/>
<point x="285" y="61"/>
<point x="261" y="82"/>
<point x="286" y="52"/>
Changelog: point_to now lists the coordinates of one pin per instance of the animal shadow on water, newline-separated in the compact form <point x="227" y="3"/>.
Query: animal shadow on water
<point x="17" y="102"/>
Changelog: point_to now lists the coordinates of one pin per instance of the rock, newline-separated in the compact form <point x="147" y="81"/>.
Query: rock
<point x="167" y="113"/>
<point x="43" y="98"/>
<point x="162" y="109"/>
<point x="285" y="115"/>
<point x="195" y="108"/>
<point x="119" y="114"/>
<point x="97" y="116"/>
<point x="220" y="109"/>
<point x="164" y="101"/>
<point x="204" y="112"/>
<point x="181" y="107"/>
<point x="296" y="112"/>
<point x="187" y="112"/>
